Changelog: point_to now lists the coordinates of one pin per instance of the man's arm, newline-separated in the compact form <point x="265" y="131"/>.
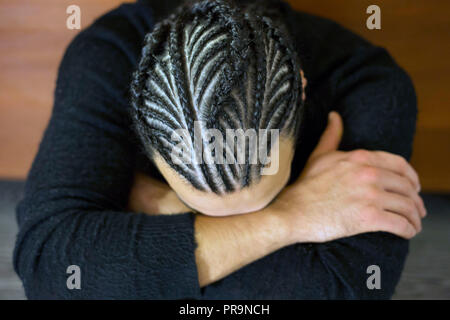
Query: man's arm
<point x="314" y="209"/>
<point x="341" y="198"/>
<point x="74" y="209"/>
<point x="378" y="105"/>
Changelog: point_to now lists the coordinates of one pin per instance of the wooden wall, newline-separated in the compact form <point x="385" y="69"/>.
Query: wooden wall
<point x="33" y="36"/>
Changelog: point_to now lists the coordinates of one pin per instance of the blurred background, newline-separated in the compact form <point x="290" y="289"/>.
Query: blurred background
<point x="33" y="37"/>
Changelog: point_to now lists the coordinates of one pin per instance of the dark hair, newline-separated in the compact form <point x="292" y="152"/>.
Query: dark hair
<point x="228" y="66"/>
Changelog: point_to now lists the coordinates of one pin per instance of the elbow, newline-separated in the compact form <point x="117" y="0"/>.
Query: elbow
<point x="25" y="260"/>
<point x="369" y="272"/>
<point x="403" y="114"/>
<point x="33" y="261"/>
<point x="369" y="286"/>
<point x="24" y="255"/>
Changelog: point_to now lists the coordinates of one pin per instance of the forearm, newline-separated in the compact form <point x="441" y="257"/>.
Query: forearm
<point x="333" y="270"/>
<point x="120" y="255"/>
<point x="226" y="244"/>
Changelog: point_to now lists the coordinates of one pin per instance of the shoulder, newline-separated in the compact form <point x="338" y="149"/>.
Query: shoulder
<point x="123" y="28"/>
<point x="104" y="54"/>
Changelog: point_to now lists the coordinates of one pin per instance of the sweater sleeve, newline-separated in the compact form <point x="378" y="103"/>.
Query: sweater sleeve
<point x="73" y="211"/>
<point x="378" y="104"/>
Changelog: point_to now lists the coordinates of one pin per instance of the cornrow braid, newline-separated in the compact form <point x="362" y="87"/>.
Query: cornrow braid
<point x="215" y="65"/>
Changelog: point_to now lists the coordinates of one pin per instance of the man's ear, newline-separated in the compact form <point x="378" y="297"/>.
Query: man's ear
<point x="304" y="84"/>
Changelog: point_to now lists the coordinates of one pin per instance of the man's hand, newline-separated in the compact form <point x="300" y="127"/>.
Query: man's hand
<point x="153" y="197"/>
<point x="341" y="194"/>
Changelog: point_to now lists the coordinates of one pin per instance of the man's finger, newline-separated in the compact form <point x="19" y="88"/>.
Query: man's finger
<point x="396" y="224"/>
<point x="399" y="165"/>
<point x="402" y="205"/>
<point x="393" y="182"/>
<point x="388" y="161"/>
<point x="331" y="137"/>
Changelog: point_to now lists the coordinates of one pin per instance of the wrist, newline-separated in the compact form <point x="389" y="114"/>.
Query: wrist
<point x="280" y="221"/>
<point x="293" y="218"/>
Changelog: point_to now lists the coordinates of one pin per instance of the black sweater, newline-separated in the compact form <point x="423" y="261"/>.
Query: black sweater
<point x="74" y="208"/>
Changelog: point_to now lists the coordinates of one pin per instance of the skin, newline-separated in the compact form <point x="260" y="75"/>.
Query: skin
<point x="322" y="205"/>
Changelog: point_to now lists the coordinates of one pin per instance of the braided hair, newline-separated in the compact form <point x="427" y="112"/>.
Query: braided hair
<point x="221" y="65"/>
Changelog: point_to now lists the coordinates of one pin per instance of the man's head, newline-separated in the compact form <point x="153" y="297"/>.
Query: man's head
<point x="217" y="104"/>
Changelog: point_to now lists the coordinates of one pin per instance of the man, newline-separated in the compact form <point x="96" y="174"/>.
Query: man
<point x="314" y="238"/>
